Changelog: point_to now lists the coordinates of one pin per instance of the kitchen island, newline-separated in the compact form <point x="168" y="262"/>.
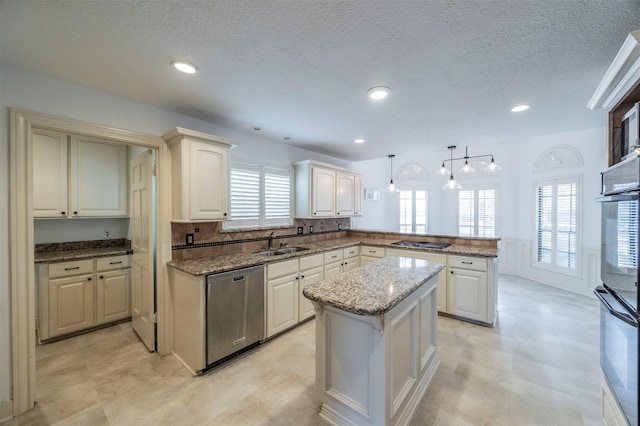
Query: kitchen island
<point x="376" y="340"/>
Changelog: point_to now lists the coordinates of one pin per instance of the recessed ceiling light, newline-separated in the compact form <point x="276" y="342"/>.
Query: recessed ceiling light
<point x="378" y="92"/>
<point x="257" y="129"/>
<point x="359" y="141"/>
<point x="185" y="67"/>
<point x="286" y="138"/>
<point x="519" y="108"/>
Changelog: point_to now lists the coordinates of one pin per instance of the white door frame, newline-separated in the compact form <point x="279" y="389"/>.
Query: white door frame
<point x="21" y="254"/>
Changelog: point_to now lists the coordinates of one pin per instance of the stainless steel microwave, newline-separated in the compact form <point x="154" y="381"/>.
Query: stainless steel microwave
<point x="629" y="132"/>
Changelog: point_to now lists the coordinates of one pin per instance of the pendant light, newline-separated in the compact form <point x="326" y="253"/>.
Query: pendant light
<point x="392" y="187"/>
<point x="491" y="168"/>
<point x="452" y="184"/>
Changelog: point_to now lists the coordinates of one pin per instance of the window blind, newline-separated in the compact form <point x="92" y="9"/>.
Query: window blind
<point x="466" y="209"/>
<point x="566" y="225"/>
<point x="544" y="222"/>
<point x="260" y="196"/>
<point x="413" y="211"/>
<point x="486" y="212"/>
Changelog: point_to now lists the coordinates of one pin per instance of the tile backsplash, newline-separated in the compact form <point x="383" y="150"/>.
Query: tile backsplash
<point x="211" y="240"/>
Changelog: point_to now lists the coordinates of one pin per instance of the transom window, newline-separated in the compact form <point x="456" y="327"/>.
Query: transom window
<point x="260" y="196"/>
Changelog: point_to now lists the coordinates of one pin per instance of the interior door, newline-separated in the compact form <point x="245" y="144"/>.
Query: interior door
<point x="142" y="242"/>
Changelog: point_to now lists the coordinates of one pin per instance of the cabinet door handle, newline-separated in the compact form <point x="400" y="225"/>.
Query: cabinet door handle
<point x="334" y="256"/>
<point x="72" y="269"/>
<point x="467" y="263"/>
<point x="115" y="263"/>
<point x="372" y="251"/>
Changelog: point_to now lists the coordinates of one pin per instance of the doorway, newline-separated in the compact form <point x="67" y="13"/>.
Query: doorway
<point x="22" y="275"/>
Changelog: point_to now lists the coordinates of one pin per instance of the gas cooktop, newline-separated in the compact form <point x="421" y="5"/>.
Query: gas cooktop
<point x="421" y="244"/>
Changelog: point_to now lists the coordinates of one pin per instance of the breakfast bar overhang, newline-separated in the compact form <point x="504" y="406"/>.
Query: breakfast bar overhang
<point x="376" y="340"/>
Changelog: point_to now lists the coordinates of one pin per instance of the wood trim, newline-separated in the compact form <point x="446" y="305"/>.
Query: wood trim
<point x="22" y="241"/>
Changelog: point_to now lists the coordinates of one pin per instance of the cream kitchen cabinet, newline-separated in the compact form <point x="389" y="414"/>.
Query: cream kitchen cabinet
<point x="286" y="305"/>
<point x="79" y="295"/>
<point x="332" y="263"/>
<point x="113" y="289"/>
<point x="77" y="176"/>
<point x="432" y="257"/>
<point x="350" y="258"/>
<point x="323" y="190"/>
<point x="345" y="194"/>
<point x="282" y="296"/>
<point x="358" y="196"/>
<point x="200" y="176"/>
<point x="370" y="254"/>
<point x="471" y="288"/>
<point x="310" y="272"/>
<point x="71" y="298"/>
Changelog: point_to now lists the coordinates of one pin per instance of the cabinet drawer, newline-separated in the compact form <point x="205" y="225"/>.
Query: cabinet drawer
<point x="114" y="262"/>
<point x="332" y="256"/>
<point x="280" y="269"/>
<point x="467" y="262"/>
<point x="372" y="251"/>
<point x="350" y="252"/>
<point x="67" y="269"/>
<point x="312" y="261"/>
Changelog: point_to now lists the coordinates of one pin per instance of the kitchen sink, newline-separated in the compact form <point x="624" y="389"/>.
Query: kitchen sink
<point x="286" y="250"/>
<point x="280" y="251"/>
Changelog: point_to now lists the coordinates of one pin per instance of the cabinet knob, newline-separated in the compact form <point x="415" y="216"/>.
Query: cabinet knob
<point x="63" y="213"/>
<point x="224" y="214"/>
<point x="89" y="279"/>
<point x="297" y="278"/>
<point x="314" y="213"/>
<point x="75" y="212"/>
<point x="338" y="213"/>
<point x="302" y="276"/>
<point x="452" y="272"/>
<point x="101" y="277"/>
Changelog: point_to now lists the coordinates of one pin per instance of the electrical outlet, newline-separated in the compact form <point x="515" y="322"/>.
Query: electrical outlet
<point x="190" y="239"/>
<point x="196" y="230"/>
<point x="107" y="233"/>
<point x="300" y="230"/>
<point x="339" y="227"/>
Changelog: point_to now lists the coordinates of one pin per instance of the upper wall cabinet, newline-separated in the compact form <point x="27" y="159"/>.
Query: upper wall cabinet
<point x="77" y="176"/>
<point x="617" y="93"/>
<point x="323" y="190"/>
<point x="200" y="176"/>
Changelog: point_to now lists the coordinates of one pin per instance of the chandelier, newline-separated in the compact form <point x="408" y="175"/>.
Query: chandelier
<point x="466" y="169"/>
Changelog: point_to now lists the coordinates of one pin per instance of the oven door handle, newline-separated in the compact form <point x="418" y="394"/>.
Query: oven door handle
<point x="620" y="315"/>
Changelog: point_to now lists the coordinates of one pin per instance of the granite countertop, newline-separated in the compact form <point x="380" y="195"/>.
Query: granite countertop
<point x="375" y="288"/>
<point x="78" y="250"/>
<point x="229" y="262"/>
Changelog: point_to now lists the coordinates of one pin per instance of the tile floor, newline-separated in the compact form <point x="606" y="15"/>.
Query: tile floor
<point x="539" y="366"/>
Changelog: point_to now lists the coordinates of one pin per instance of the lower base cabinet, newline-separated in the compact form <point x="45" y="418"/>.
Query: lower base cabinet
<point x="610" y="410"/>
<point x="79" y="295"/>
<point x="467" y="294"/>
<point x="286" y="305"/>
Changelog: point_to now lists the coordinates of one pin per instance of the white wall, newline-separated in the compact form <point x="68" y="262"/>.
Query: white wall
<point x="65" y="230"/>
<point x="35" y="92"/>
<point x="515" y="199"/>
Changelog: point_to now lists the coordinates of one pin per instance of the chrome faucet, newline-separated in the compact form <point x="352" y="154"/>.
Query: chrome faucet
<point x="271" y="237"/>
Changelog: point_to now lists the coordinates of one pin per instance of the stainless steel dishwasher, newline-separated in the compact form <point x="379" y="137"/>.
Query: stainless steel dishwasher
<point x="235" y="311"/>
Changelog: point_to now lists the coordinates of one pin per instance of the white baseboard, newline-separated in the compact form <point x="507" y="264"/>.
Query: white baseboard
<point x="6" y="410"/>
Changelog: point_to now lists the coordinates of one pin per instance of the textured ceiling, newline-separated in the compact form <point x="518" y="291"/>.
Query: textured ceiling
<point x="301" y="69"/>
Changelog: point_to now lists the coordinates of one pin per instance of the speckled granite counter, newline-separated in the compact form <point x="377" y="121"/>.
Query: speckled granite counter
<point x="375" y="288"/>
<point x="217" y="264"/>
<point x="59" y="252"/>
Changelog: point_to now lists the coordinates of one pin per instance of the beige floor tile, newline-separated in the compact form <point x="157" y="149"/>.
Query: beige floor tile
<point x="538" y="366"/>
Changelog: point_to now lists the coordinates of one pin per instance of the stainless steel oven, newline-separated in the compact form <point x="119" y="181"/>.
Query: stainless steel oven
<point x="618" y="294"/>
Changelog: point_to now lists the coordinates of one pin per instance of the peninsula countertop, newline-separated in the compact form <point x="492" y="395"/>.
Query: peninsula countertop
<point x="224" y="263"/>
<point x="375" y="288"/>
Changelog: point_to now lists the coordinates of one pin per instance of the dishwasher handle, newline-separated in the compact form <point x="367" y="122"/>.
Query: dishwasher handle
<point x="239" y="278"/>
